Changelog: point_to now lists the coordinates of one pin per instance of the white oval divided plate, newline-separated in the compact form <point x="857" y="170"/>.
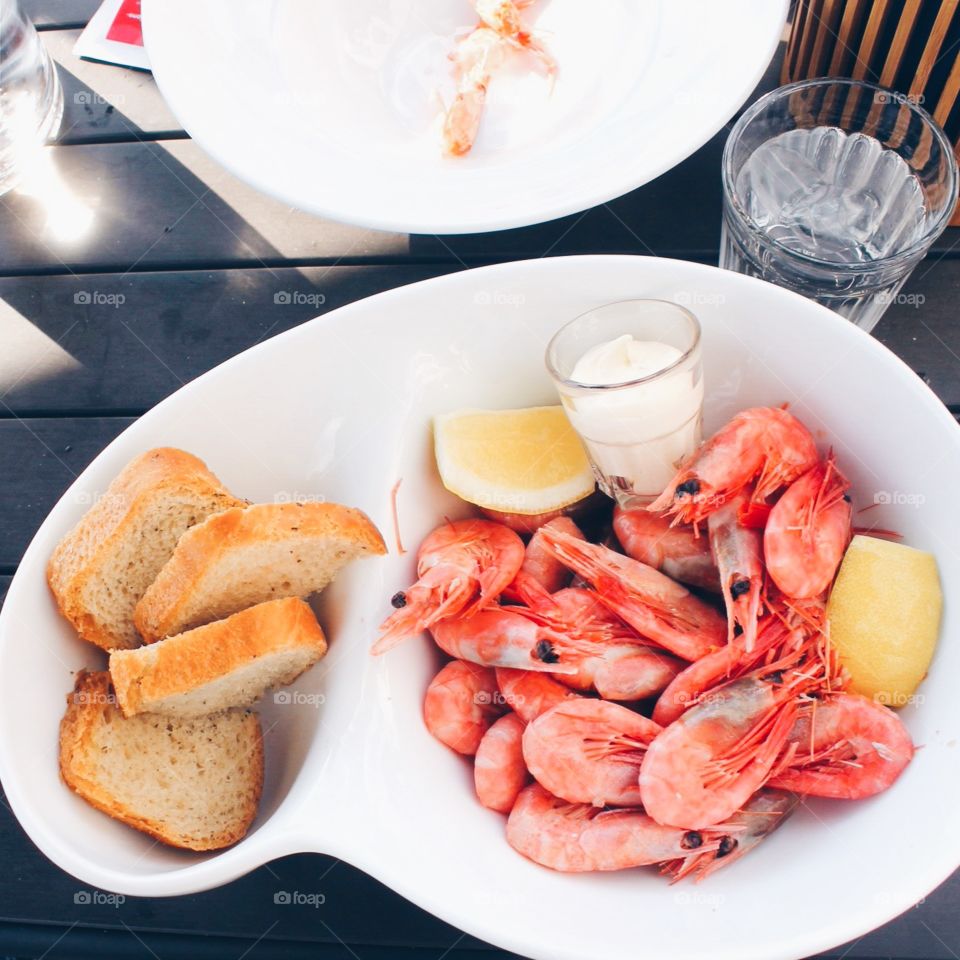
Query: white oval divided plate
<point x="335" y="107"/>
<point x="341" y="408"/>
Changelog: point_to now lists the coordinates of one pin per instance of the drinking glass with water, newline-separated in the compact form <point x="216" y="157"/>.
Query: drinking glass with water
<point x="31" y="99"/>
<point x="835" y="189"/>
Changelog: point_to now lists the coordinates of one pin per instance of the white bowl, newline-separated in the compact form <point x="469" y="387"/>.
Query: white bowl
<point x="340" y="407"/>
<point x="334" y="107"/>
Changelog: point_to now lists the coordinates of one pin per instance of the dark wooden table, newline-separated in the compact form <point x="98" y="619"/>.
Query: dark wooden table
<point x="178" y="273"/>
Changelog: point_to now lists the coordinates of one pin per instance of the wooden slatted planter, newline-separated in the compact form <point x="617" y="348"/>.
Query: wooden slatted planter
<point x="910" y="46"/>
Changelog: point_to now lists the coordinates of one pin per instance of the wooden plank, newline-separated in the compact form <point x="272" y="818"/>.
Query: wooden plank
<point x="55" y="14"/>
<point x="931" y="52"/>
<point x="41" y="458"/>
<point x="80" y="943"/>
<point x="70" y="342"/>
<point x="163" y="204"/>
<point x="799" y="16"/>
<point x="844" y="54"/>
<point x="920" y="326"/>
<point x="104" y="102"/>
<point x="871" y="34"/>
<point x="180" y="209"/>
<point x="951" y="91"/>
<point x="812" y="26"/>
<point x="825" y="37"/>
<point x="901" y="38"/>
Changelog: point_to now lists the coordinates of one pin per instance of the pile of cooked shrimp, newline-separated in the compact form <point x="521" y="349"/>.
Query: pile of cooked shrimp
<point x="624" y="720"/>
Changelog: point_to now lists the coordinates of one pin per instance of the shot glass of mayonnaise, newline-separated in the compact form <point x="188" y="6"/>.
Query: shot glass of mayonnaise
<point x="630" y="378"/>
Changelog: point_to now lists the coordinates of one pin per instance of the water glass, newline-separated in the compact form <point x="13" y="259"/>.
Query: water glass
<point x="835" y="189"/>
<point x="31" y="99"/>
<point x="637" y="431"/>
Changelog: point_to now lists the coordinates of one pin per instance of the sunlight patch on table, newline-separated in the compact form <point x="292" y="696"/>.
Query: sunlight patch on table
<point x="29" y="355"/>
<point x="67" y="217"/>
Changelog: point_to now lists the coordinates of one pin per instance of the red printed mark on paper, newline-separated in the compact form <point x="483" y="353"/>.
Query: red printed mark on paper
<point x="126" y="24"/>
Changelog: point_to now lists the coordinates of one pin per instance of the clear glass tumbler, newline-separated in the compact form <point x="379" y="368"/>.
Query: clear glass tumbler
<point x="31" y="99"/>
<point x="635" y="431"/>
<point x="835" y="189"/>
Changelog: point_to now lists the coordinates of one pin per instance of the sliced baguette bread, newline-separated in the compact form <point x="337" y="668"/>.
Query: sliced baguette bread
<point x="189" y="783"/>
<point x="247" y="555"/>
<point x="102" y="567"/>
<point x="229" y="663"/>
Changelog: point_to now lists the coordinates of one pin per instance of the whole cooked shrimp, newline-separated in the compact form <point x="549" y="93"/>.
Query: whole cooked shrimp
<point x="499" y="770"/>
<point x="589" y="751"/>
<point x="808" y="531"/>
<point x="715" y="668"/>
<point x="738" y="552"/>
<point x="578" y="837"/>
<point x="709" y="762"/>
<point x="765" y="444"/>
<point x="653" y="604"/>
<point x="461" y="703"/>
<point x="674" y="550"/>
<point x="609" y="656"/>
<point x="462" y="567"/>
<point x="530" y="693"/>
<point x="503" y="637"/>
<point x="763" y="813"/>
<point x="848" y="747"/>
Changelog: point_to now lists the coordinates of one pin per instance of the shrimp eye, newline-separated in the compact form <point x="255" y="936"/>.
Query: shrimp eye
<point x="688" y="488"/>
<point x="399" y="600"/>
<point x="691" y="840"/>
<point x="727" y="845"/>
<point x="775" y="677"/>
<point x="544" y="651"/>
<point x="739" y="587"/>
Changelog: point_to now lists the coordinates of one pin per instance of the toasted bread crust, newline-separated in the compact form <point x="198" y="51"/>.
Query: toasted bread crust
<point x="197" y="657"/>
<point x="82" y="552"/>
<point x="88" y="707"/>
<point x="159" y="612"/>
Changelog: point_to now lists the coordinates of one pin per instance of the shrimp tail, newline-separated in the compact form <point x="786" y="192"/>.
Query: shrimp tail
<point x="528" y="590"/>
<point x="462" y="122"/>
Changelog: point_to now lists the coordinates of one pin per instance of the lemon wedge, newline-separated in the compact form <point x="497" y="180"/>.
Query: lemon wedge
<point x="884" y="616"/>
<point x="527" y="461"/>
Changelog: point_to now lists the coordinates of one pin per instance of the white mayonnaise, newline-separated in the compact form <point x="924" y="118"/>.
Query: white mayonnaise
<point x="637" y="431"/>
